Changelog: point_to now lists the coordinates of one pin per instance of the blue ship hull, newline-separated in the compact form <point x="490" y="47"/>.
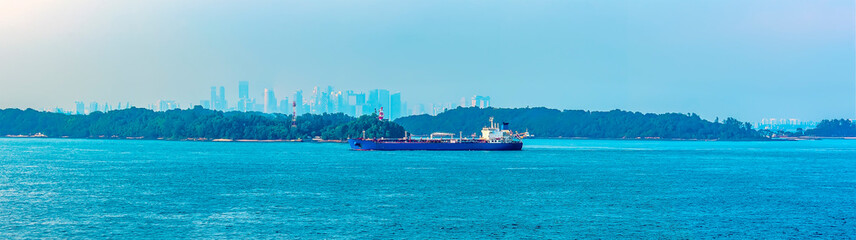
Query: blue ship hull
<point x="357" y="144"/>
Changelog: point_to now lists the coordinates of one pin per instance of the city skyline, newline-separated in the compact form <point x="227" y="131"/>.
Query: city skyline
<point x="244" y="102"/>
<point x="783" y="59"/>
<point x="326" y="100"/>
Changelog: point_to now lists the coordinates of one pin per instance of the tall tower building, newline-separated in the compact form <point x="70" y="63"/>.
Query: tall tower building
<point x="243" y="90"/>
<point x="480" y="101"/>
<point x="284" y="105"/>
<point x="298" y="102"/>
<point x="93" y="107"/>
<point x="244" y="103"/>
<point x="80" y="108"/>
<point x="378" y="98"/>
<point x="221" y="100"/>
<point x="213" y="101"/>
<point x="395" y="106"/>
<point x="270" y="101"/>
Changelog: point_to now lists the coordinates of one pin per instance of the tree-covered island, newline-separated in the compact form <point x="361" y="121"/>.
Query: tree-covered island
<point x="552" y="123"/>
<point x="196" y="123"/>
<point x="204" y="124"/>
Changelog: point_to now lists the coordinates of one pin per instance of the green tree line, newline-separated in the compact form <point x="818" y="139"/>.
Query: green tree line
<point x="616" y="124"/>
<point x="833" y="128"/>
<point x="192" y="123"/>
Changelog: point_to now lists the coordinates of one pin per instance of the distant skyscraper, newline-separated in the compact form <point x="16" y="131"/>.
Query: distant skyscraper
<point x="284" y="106"/>
<point x="323" y="102"/>
<point x="405" y="111"/>
<point x="298" y="99"/>
<point x="217" y="101"/>
<point x="395" y="106"/>
<point x="93" y="107"/>
<point x="243" y="96"/>
<point x="221" y="100"/>
<point x="270" y="101"/>
<point x="480" y="101"/>
<point x="329" y="100"/>
<point x="359" y="99"/>
<point x="378" y="98"/>
<point x="372" y="101"/>
<point x="213" y="100"/>
<point x="342" y="102"/>
<point x="80" y="108"/>
<point x="165" y="105"/>
<point x="243" y="89"/>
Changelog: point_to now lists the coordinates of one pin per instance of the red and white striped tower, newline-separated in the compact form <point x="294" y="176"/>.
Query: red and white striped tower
<point x="381" y="114"/>
<point x="294" y="114"/>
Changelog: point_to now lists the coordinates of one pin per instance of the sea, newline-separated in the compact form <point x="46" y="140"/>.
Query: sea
<point x="552" y="189"/>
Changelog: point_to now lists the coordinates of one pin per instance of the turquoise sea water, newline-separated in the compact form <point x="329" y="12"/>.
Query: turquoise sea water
<point x="58" y="188"/>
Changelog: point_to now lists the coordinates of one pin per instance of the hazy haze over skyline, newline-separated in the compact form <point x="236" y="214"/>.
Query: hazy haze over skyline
<point x="717" y="58"/>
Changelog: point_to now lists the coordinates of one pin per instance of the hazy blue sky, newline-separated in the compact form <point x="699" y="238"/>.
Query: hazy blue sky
<point x="748" y="59"/>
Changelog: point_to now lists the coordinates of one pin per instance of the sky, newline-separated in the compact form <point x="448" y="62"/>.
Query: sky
<point x="743" y="59"/>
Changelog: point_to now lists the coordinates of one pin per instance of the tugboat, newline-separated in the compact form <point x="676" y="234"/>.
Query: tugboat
<point x="496" y="137"/>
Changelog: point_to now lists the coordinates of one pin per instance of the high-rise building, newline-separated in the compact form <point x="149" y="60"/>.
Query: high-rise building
<point x="243" y="89"/>
<point x="324" y="102"/>
<point x="80" y="108"/>
<point x="221" y="100"/>
<point x="298" y="100"/>
<point x="480" y="101"/>
<point x="270" y="101"/>
<point x="165" y="105"/>
<point x="213" y="101"/>
<point x="359" y="110"/>
<point x="405" y="111"/>
<point x="378" y="98"/>
<point x="342" y="102"/>
<point x="284" y="106"/>
<point x="357" y="99"/>
<point x="93" y="107"/>
<point x="395" y="106"/>
<point x="330" y="103"/>
<point x="244" y="103"/>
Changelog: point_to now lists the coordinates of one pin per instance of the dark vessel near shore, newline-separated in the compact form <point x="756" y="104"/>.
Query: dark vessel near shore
<point x="497" y="137"/>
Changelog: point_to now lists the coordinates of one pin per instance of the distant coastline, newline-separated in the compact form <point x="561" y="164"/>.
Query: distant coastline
<point x="216" y="126"/>
<point x="196" y="124"/>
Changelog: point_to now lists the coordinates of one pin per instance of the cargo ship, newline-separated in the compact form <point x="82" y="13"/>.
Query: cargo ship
<point x="496" y="137"/>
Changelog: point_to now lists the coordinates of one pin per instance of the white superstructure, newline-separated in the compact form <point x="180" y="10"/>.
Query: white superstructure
<point x="497" y="133"/>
